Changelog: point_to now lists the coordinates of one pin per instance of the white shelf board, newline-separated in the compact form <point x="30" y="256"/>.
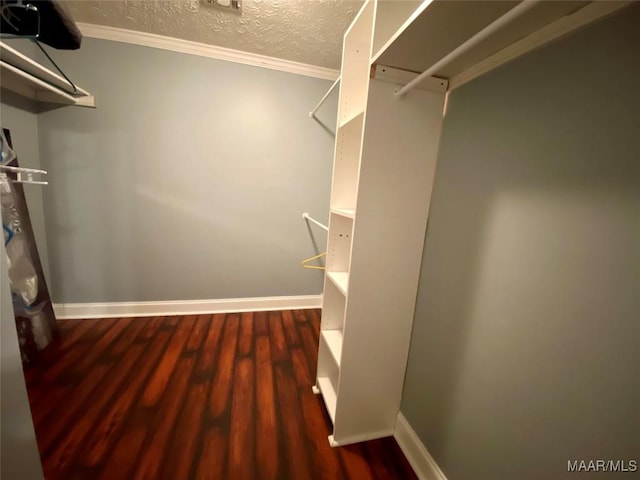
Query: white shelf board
<point x="329" y="395"/>
<point x="344" y="212"/>
<point x="23" y="84"/>
<point x="436" y="28"/>
<point x="350" y="119"/>
<point x="340" y="280"/>
<point x="391" y="20"/>
<point x="22" y="75"/>
<point x="26" y="64"/>
<point x="333" y="339"/>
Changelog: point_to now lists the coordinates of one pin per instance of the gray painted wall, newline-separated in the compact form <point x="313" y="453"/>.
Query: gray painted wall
<point x="187" y="182"/>
<point x="524" y="353"/>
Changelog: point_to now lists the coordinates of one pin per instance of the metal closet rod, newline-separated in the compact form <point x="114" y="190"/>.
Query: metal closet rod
<point x="312" y="113"/>
<point x="306" y="216"/>
<point x="474" y="40"/>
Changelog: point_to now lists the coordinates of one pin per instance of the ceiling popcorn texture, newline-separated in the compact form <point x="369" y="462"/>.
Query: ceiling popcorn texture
<point x="306" y="31"/>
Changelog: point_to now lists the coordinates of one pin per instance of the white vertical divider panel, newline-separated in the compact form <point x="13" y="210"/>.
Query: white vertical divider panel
<point x="377" y="329"/>
<point x="384" y="164"/>
<point x="399" y="152"/>
<point x="356" y="56"/>
<point x="396" y="177"/>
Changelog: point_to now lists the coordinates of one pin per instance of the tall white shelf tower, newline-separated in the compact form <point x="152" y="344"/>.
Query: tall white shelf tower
<point x="385" y="157"/>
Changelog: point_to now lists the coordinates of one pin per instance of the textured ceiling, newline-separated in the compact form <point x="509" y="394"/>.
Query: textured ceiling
<point x="307" y="31"/>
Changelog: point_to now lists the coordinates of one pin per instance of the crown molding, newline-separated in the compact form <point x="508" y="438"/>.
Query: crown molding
<point x="152" y="40"/>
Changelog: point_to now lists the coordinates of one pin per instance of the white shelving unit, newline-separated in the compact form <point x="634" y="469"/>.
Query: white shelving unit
<point x="22" y="75"/>
<point x="385" y="159"/>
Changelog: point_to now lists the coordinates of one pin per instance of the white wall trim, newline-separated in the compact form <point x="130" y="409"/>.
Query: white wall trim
<point x="204" y="50"/>
<point x="185" y="307"/>
<point x="421" y="461"/>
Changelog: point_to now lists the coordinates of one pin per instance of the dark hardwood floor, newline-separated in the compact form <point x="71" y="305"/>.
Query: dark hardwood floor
<point x="206" y="397"/>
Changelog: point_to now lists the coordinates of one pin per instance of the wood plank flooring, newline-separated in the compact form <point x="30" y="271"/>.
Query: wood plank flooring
<point x="195" y="397"/>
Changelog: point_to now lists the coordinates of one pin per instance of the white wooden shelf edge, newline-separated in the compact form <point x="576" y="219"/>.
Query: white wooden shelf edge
<point x="333" y="339"/>
<point x="351" y="118"/>
<point x="329" y="395"/>
<point x="340" y="280"/>
<point x="27" y="65"/>
<point x="345" y="212"/>
<point x="24" y="76"/>
<point x="28" y="86"/>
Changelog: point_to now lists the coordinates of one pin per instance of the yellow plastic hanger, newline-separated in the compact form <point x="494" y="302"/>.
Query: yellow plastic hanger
<point x="314" y="267"/>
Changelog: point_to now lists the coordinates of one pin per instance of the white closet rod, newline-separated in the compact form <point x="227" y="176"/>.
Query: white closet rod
<point x="474" y="40"/>
<point x="312" y="113"/>
<point x="306" y="216"/>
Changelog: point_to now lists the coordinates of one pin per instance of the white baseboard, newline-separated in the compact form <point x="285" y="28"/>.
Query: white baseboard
<point x="419" y="458"/>
<point x="359" y="438"/>
<point x="186" y="307"/>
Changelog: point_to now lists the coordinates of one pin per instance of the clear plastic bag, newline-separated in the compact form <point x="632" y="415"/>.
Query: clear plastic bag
<point x="22" y="275"/>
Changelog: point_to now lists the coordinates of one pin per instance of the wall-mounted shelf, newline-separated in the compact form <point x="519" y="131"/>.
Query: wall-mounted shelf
<point x="329" y="395"/>
<point x="22" y="75"/>
<point x="333" y="338"/>
<point x="340" y="280"/>
<point x="344" y="212"/>
<point x="415" y="35"/>
<point x="355" y="116"/>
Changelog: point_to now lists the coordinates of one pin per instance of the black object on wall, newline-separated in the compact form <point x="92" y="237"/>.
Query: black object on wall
<point x="42" y="20"/>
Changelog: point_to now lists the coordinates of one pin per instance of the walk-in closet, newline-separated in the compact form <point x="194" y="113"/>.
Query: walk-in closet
<point x="333" y="239"/>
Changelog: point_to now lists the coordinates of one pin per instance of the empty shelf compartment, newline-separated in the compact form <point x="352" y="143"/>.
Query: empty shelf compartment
<point x="333" y="339"/>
